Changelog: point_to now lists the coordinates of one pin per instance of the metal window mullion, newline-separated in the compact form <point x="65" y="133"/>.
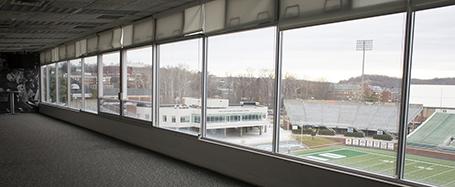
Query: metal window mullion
<point x="68" y="83"/>
<point x="204" y="89"/>
<point x="405" y="86"/>
<point x="123" y="79"/>
<point x="277" y="95"/>
<point x="47" y="84"/>
<point x="99" y="62"/>
<point x="41" y="86"/>
<point x="83" y="83"/>
<point x="57" y="84"/>
<point x="156" y="86"/>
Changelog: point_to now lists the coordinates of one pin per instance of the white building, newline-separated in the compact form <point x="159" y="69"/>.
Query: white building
<point x="220" y="115"/>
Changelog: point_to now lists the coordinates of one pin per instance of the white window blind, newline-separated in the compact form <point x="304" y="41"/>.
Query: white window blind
<point x="83" y="46"/>
<point x="48" y="58"/>
<point x="294" y="13"/>
<point x="42" y="57"/>
<point x="54" y="55"/>
<point x="193" y="19"/>
<point x="92" y="44"/>
<point x="62" y="52"/>
<point x="117" y="38"/>
<point x="214" y="15"/>
<point x="105" y="40"/>
<point x="169" y="26"/>
<point x="419" y="4"/>
<point x="241" y="12"/>
<point x="127" y="35"/>
<point x="70" y="50"/>
<point x="143" y="31"/>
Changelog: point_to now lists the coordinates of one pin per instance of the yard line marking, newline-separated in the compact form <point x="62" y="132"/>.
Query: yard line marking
<point x="323" y="151"/>
<point x="440" y="173"/>
<point x="419" y="168"/>
<point x="449" y="183"/>
<point x="317" y="158"/>
<point x="332" y="155"/>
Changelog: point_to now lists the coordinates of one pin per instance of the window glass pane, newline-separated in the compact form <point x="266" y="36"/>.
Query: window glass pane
<point x="430" y="149"/>
<point x="90" y="85"/>
<point x="62" y="76"/>
<point x="180" y="85"/>
<point x="52" y="83"/>
<point x="109" y="101"/>
<point x="341" y="93"/>
<point x="75" y="84"/>
<point x="44" y="83"/>
<point x="240" y="83"/>
<point x="138" y="103"/>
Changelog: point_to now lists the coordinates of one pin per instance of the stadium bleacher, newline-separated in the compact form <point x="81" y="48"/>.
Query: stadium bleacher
<point x="344" y="114"/>
<point x="437" y="132"/>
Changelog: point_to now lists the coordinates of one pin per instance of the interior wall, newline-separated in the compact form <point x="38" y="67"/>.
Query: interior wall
<point x="19" y="72"/>
<point x="249" y="166"/>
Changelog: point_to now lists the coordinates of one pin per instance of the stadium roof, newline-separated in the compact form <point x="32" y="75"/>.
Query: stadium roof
<point x="435" y="132"/>
<point x="344" y="114"/>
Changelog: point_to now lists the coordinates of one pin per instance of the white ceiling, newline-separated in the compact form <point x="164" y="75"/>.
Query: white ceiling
<point x="33" y="25"/>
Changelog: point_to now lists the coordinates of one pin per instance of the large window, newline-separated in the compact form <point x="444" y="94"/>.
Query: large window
<point x="44" y="83"/>
<point x="341" y="93"/>
<point x="52" y="81"/>
<point x="430" y="149"/>
<point x="138" y="93"/>
<point x="75" y="84"/>
<point x="90" y="84"/>
<point x="240" y="86"/>
<point x="110" y="83"/>
<point x="62" y="83"/>
<point x="179" y="83"/>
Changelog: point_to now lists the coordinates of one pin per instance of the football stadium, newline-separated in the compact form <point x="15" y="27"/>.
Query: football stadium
<point x="430" y="151"/>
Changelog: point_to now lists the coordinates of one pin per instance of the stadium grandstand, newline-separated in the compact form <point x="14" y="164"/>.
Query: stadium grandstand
<point x="347" y="114"/>
<point x="437" y="132"/>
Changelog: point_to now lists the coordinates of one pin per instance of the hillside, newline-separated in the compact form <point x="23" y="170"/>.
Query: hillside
<point x="393" y="82"/>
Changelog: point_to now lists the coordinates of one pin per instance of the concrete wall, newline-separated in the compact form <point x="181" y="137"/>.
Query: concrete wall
<point x="250" y="166"/>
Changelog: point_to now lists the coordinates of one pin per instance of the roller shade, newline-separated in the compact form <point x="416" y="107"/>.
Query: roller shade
<point x="214" y="15"/>
<point x="54" y="55"/>
<point x="193" y="19"/>
<point x="421" y="4"/>
<point x="127" y="35"/>
<point x="169" y="26"/>
<point x="62" y="52"/>
<point x="105" y="40"/>
<point x="81" y="47"/>
<point x="42" y="57"/>
<point x="48" y="56"/>
<point x="117" y="38"/>
<point x="92" y="44"/>
<point x="143" y="31"/>
<point x="295" y="13"/>
<point x="70" y="50"/>
<point x="241" y="12"/>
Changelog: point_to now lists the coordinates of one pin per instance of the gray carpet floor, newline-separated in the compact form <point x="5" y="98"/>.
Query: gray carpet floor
<point x="39" y="151"/>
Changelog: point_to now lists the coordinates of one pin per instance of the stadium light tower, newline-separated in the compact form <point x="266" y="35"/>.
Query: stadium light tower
<point x="363" y="45"/>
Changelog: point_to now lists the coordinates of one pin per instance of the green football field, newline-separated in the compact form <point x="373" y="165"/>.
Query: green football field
<point x="417" y="168"/>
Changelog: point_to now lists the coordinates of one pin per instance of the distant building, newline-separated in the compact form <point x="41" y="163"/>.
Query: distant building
<point x="345" y="91"/>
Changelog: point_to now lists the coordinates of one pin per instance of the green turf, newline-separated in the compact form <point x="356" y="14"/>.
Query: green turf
<point x="417" y="168"/>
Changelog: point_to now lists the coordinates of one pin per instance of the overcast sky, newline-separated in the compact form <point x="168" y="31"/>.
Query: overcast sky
<point x="327" y="52"/>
